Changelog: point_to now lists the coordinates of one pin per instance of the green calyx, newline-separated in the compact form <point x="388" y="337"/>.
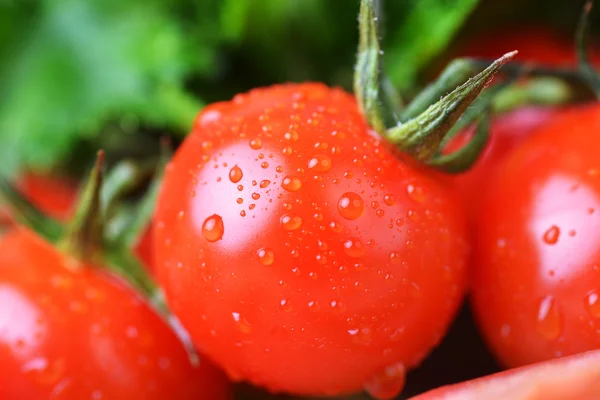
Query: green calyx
<point x="455" y="100"/>
<point x="86" y="236"/>
<point x="420" y="128"/>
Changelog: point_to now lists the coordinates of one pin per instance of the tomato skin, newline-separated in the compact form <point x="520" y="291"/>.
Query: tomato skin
<point x="72" y="332"/>
<point x="536" y="271"/>
<point x="534" y="43"/>
<point x="267" y="261"/>
<point x="506" y="132"/>
<point x="55" y="196"/>
<point x="576" y="378"/>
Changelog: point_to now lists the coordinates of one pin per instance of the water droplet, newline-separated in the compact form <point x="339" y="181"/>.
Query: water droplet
<point x="255" y="196"/>
<point x="412" y="215"/>
<point x="320" y="163"/>
<point x="291" y="183"/>
<point x="551" y="235"/>
<point x="243" y="213"/>
<point x="290" y="222"/>
<point x="251" y="206"/>
<point x="266" y="256"/>
<point x="336" y="227"/>
<point x="256" y="144"/>
<point x="354" y="248"/>
<point x="415" y="193"/>
<point x="374" y="204"/>
<point x="548" y="319"/>
<point x="43" y="371"/>
<point x="235" y="174"/>
<point x="264" y="164"/>
<point x="592" y="304"/>
<point x="389" y="199"/>
<point x="351" y="205"/>
<point x="242" y="323"/>
<point x="264" y="183"/>
<point x="388" y="384"/>
<point x="212" y="228"/>
<point x="361" y="336"/>
<point x="239" y="200"/>
<point x="286" y="306"/>
<point x="380" y="213"/>
<point x="240" y="188"/>
<point x="394" y="258"/>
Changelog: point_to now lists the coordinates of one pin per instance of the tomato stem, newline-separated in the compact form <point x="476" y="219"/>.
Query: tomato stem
<point x="84" y="236"/>
<point x="421" y="136"/>
<point x="378" y="101"/>
<point x="26" y="213"/>
<point x="581" y="44"/>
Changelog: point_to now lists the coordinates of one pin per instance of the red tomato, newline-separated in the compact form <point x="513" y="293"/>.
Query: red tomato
<point x="574" y="378"/>
<point x="506" y="132"/>
<point x="55" y="197"/>
<point x="534" y="43"/>
<point x="536" y="270"/>
<point x="300" y="253"/>
<point x="73" y="331"/>
<point x="537" y="44"/>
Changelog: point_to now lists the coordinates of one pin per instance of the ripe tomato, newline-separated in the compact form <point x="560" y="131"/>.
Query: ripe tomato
<point x="575" y="378"/>
<point x="300" y="253"/>
<point x="506" y="132"/>
<point x="537" y="44"/>
<point x="55" y="197"/>
<point x="536" y="270"/>
<point x="534" y="43"/>
<point x="72" y="331"/>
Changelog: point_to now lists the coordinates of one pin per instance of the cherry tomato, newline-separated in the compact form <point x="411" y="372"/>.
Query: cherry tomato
<point x="55" y="197"/>
<point x="506" y="132"/>
<point x="536" y="270"/>
<point x="534" y="43"/>
<point x="72" y="331"/>
<point x="576" y="378"/>
<point x="300" y="252"/>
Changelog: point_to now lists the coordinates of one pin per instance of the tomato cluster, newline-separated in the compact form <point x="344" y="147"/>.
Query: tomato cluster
<point x="304" y="254"/>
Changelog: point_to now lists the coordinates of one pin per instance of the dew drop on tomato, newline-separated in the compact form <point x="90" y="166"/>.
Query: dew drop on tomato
<point x="286" y="306"/>
<point x="351" y="206"/>
<point x="290" y="222"/>
<point x="235" y="174"/>
<point x="212" y="228"/>
<point x="388" y="384"/>
<point x="415" y="193"/>
<point x="592" y="304"/>
<point x="266" y="256"/>
<point x="354" y="248"/>
<point x="264" y="183"/>
<point x="241" y="322"/>
<point x="389" y="199"/>
<point x="291" y="183"/>
<point x="319" y="163"/>
<point x="255" y="144"/>
<point x="548" y="322"/>
<point x="551" y="235"/>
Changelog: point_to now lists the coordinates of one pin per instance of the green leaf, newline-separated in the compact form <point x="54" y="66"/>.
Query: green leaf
<point x="76" y="64"/>
<point x="424" y="29"/>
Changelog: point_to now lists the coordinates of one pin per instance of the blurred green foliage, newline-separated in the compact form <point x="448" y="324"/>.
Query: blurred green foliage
<point x="77" y="75"/>
<point x="72" y="70"/>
